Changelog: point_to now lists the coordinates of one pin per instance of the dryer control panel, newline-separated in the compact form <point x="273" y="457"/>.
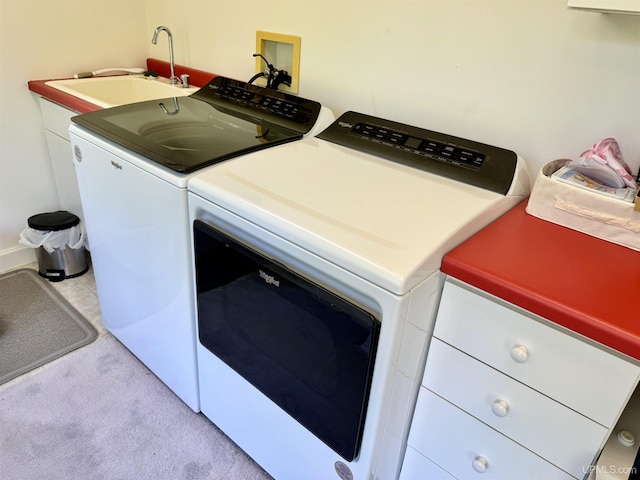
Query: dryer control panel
<point x="474" y="163"/>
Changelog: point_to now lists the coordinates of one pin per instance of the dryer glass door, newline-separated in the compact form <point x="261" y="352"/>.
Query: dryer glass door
<point x="308" y="350"/>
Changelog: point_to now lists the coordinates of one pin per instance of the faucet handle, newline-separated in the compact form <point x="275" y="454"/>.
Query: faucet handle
<point x="184" y="79"/>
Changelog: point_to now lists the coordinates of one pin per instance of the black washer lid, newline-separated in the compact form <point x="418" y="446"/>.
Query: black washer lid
<point x="60" y="220"/>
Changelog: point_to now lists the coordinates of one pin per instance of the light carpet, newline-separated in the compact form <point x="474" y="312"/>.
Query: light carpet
<point x="37" y="325"/>
<point x="100" y="414"/>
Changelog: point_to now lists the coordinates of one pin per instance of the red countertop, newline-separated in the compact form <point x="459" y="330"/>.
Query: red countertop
<point x="74" y="103"/>
<point x="578" y="281"/>
<point x="197" y="78"/>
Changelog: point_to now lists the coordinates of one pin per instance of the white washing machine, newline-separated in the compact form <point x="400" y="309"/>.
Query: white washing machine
<point x="133" y="163"/>
<point x="317" y="280"/>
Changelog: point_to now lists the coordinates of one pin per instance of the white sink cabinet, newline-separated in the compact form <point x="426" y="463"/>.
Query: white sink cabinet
<point x="507" y="394"/>
<point x="56" y="119"/>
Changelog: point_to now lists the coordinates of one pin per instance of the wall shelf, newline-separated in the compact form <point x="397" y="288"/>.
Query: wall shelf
<point x="628" y="7"/>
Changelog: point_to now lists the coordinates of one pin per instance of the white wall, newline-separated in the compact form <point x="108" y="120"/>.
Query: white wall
<point x="42" y="39"/>
<point x="530" y="75"/>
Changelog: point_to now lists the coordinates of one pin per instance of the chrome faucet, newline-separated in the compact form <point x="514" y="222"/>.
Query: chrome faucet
<point x="173" y="79"/>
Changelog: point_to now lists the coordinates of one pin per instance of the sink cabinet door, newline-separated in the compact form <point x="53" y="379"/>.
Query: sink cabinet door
<point x="64" y="173"/>
<point x="56" y="121"/>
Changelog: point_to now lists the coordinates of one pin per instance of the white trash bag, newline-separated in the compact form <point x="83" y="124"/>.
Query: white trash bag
<point x="73" y="237"/>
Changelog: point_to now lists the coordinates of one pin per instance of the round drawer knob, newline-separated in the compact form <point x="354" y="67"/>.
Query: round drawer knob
<point x="519" y="354"/>
<point x="480" y="464"/>
<point x="500" y="408"/>
<point x="626" y="438"/>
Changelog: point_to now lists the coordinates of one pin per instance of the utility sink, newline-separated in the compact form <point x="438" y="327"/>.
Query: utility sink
<point x="120" y="90"/>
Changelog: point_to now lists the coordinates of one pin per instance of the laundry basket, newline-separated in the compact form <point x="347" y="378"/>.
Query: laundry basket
<point x="608" y="218"/>
<point x="59" y="239"/>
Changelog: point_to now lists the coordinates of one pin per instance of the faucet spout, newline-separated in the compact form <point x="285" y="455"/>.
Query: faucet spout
<point x="173" y="79"/>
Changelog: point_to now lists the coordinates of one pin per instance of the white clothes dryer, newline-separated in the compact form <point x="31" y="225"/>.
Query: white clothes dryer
<point x="317" y="281"/>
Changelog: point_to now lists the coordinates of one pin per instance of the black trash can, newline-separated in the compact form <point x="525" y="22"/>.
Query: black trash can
<point x="61" y="261"/>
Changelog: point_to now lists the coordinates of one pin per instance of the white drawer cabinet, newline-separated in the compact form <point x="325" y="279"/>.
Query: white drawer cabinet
<point x="509" y="393"/>
<point x="567" y="369"/>
<point x="514" y="409"/>
<point x="469" y="449"/>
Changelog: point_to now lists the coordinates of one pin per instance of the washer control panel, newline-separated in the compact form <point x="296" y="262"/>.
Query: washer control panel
<point x="297" y="113"/>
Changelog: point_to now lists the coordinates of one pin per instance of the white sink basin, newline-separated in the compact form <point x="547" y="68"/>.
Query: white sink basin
<point x="112" y="91"/>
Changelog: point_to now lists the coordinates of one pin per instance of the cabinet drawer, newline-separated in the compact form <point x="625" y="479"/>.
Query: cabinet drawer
<point x="56" y="118"/>
<point x="459" y="443"/>
<point x="418" y="467"/>
<point x="558" y="434"/>
<point x="578" y="374"/>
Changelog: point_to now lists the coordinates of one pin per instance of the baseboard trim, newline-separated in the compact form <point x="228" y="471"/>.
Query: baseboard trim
<point x="12" y="258"/>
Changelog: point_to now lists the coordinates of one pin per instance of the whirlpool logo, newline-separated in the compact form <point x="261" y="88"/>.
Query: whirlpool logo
<point x="270" y="279"/>
<point x="77" y="152"/>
